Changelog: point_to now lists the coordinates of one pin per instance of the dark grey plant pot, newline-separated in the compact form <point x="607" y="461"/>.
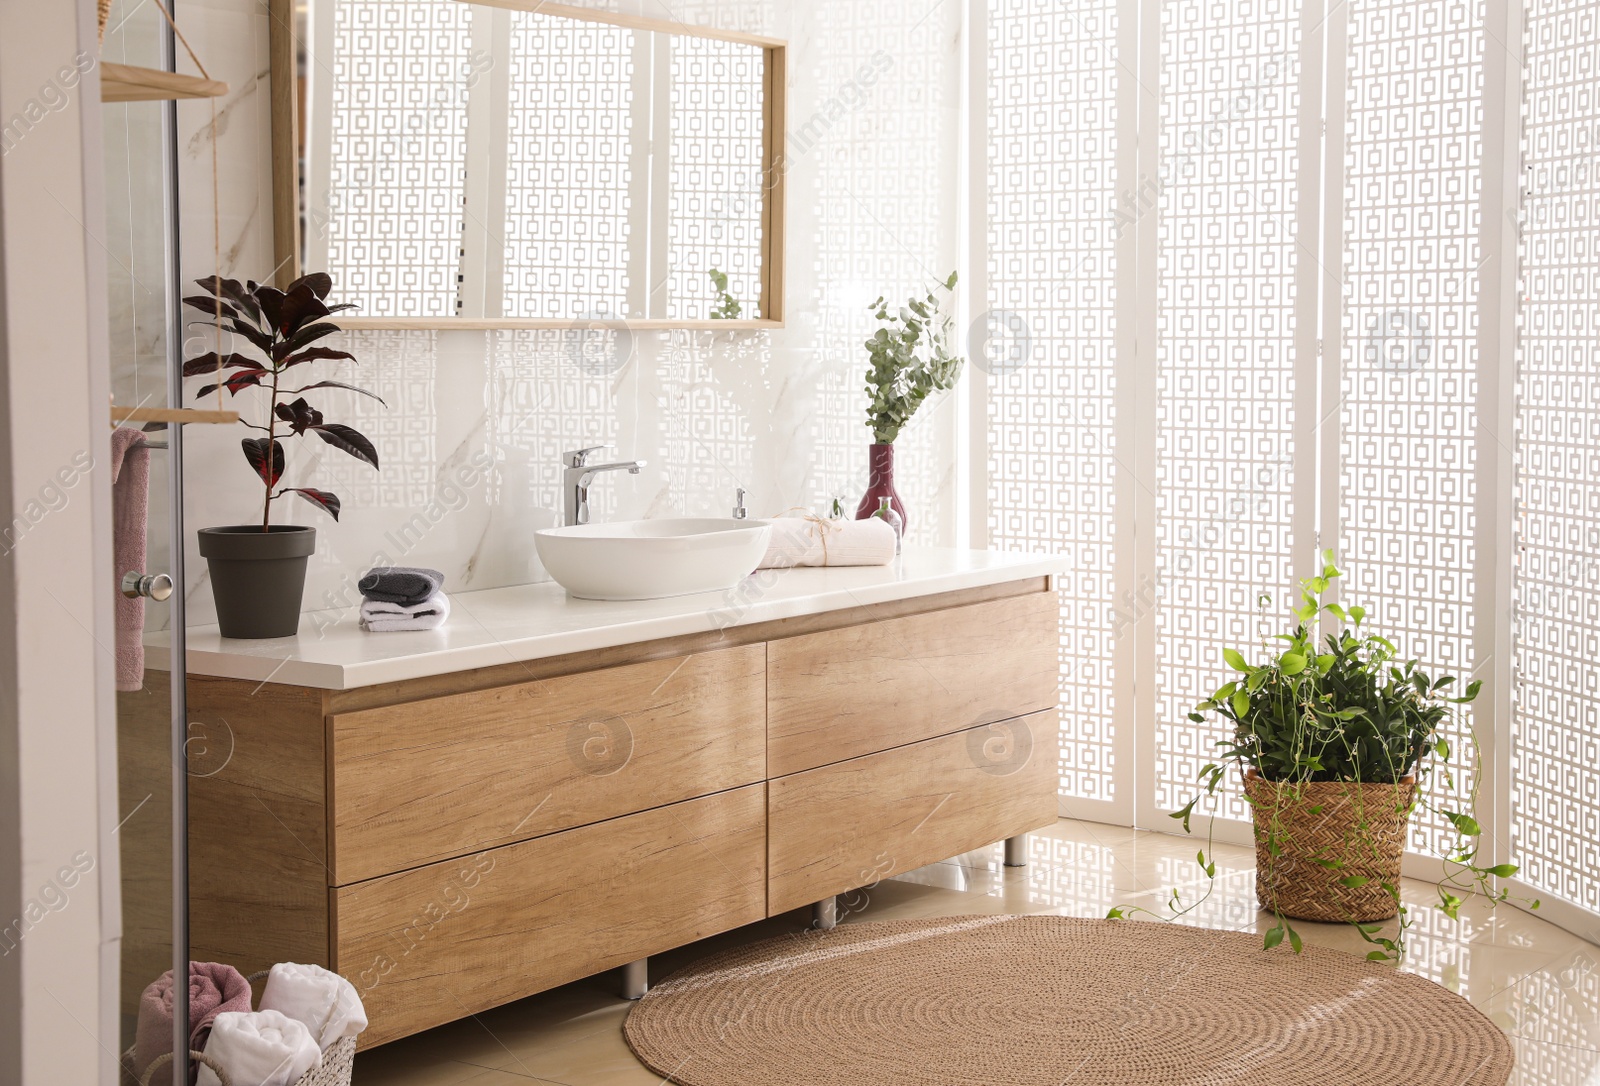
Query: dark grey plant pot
<point x="258" y="578"/>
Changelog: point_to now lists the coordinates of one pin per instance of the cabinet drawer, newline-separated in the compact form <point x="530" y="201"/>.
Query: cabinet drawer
<point x="428" y="946"/>
<point x="852" y="823"/>
<point x="428" y="780"/>
<point x="852" y="691"/>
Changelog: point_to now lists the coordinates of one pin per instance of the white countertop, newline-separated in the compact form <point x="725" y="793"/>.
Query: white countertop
<point x="530" y="622"/>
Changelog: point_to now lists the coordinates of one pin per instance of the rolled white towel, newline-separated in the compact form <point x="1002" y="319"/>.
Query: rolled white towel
<point x="809" y="541"/>
<point x="321" y="999"/>
<point x="259" y="1048"/>
<point x="380" y="617"/>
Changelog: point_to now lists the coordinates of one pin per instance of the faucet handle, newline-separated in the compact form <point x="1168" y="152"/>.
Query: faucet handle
<point x="577" y="458"/>
<point x="739" y="511"/>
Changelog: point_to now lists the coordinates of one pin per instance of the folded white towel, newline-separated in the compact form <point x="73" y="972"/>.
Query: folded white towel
<point x="259" y="1048"/>
<point x="808" y="541"/>
<point x="320" y="998"/>
<point x="380" y="617"/>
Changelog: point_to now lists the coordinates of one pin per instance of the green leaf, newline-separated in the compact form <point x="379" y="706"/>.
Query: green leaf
<point x="1465" y="825"/>
<point x="1294" y="941"/>
<point x="1241" y="704"/>
<point x="1353" y="881"/>
<point x="1118" y="913"/>
<point x="1357" y="614"/>
<point x="1185" y="814"/>
<point x="1503" y="871"/>
<point x="1292" y="663"/>
<point x="1274" y="937"/>
<point x="1235" y="660"/>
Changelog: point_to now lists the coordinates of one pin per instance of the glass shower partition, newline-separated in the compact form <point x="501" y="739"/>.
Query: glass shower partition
<point x="145" y="325"/>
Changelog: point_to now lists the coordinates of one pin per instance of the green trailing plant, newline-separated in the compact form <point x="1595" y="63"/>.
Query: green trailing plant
<point x="909" y="359"/>
<point x="728" y="307"/>
<point x="284" y="327"/>
<point x="1329" y="700"/>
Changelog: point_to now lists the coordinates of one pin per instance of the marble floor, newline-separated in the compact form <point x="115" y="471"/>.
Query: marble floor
<point x="1539" y="983"/>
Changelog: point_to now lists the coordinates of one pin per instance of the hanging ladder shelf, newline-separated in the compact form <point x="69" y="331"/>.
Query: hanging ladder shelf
<point x="121" y="83"/>
<point x="172" y="415"/>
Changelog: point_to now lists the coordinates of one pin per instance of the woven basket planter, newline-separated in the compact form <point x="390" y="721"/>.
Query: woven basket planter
<point x="105" y="15"/>
<point x="1360" y="826"/>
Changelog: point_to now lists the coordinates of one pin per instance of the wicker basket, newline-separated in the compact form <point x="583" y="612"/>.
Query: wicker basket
<point x="1362" y="827"/>
<point x="338" y="1063"/>
<point x="105" y="17"/>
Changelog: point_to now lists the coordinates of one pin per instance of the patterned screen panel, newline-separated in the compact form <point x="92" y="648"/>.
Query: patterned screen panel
<point x="1409" y="390"/>
<point x="568" y="170"/>
<point x="393" y="211"/>
<point x="1555" y="793"/>
<point x="1225" y="322"/>
<point x="715" y="175"/>
<point x="1047" y="360"/>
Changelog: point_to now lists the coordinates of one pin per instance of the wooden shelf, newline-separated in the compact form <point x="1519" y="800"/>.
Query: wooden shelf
<point x="122" y="83"/>
<point x="172" y="414"/>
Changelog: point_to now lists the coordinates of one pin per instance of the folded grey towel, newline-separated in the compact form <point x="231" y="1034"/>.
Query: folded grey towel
<point x="405" y="585"/>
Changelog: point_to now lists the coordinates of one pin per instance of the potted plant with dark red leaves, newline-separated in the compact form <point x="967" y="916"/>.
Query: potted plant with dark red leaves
<point x="258" y="571"/>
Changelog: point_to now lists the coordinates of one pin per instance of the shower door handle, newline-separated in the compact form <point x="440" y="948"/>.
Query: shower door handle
<point x="155" y="586"/>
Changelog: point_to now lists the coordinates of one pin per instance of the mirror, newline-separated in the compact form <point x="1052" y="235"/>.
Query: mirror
<point x="522" y="164"/>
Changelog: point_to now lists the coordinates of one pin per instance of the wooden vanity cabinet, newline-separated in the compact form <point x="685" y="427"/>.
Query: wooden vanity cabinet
<point x="456" y="842"/>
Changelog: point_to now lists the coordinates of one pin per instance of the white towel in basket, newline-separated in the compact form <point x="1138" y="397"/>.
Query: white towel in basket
<point x="259" y="1048"/>
<point x="322" y="999"/>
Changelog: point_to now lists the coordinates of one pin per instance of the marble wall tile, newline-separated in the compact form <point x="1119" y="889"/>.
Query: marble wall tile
<point x="476" y="421"/>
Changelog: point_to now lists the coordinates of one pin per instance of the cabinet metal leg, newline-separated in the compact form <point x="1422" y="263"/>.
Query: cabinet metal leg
<point x="1017" y="850"/>
<point x="825" y="914"/>
<point x="636" y="979"/>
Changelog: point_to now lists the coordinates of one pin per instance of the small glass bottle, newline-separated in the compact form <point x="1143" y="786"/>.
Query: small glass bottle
<point x="886" y="512"/>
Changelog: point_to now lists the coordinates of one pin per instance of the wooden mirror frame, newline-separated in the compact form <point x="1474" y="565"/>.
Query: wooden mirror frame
<point x="286" y="171"/>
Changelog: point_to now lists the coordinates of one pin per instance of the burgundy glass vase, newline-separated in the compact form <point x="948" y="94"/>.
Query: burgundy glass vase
<point x="880" y="484"/>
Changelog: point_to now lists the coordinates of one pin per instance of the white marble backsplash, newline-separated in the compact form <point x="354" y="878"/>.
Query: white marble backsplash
<point x="476" y="421"/>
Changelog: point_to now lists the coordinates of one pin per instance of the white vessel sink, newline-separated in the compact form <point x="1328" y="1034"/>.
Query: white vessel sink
<point x="652" y="559"/>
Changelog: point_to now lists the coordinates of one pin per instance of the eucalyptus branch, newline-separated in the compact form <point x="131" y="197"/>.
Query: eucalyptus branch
<point x="909" y="359"/>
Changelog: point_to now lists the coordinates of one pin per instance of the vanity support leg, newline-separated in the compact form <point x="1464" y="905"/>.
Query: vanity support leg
<point x="825" y="914"/>
<point x="1017" y="850"/>
<point x="636" y="979"/>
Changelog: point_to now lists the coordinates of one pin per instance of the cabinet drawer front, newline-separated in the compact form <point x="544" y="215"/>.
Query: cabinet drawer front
<point x="428" y="946"/>
<point x="852" y="691"/>
<point x="850" y="824"/>
<point x="428" y="780"/>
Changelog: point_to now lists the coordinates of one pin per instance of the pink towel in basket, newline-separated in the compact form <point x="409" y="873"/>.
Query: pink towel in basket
<point x="130" y="509"/>
<point x="213" y="988"/>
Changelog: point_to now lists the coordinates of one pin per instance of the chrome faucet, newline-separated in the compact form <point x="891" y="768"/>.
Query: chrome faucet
<point x="579" y="473"/>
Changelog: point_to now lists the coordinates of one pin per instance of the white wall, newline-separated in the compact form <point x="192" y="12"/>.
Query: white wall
<point x="58" y="955"/>
<point x="873" y="209"/>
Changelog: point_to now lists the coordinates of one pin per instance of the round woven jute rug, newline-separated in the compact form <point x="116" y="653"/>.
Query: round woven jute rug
<point x="1050" y="1000"/>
